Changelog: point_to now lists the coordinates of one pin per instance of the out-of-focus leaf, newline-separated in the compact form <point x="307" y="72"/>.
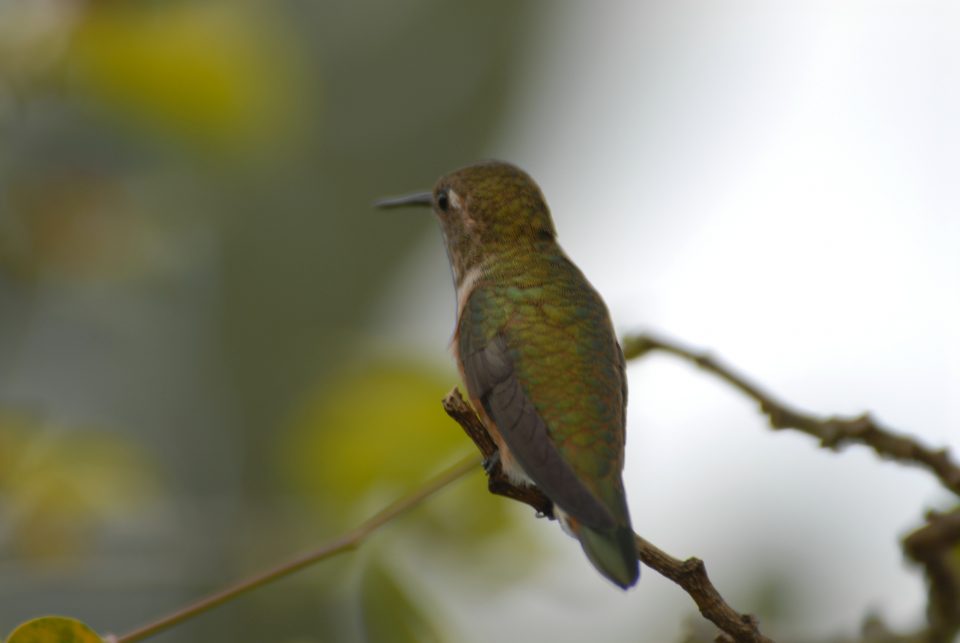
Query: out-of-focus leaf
<point x="212" y="70"/>
<point x="389" y="614"/>
<point x="57" y="486"/>
<point x="373" y="433"/>
<point x="53" y="629"/>
<point x="379" y="426"/>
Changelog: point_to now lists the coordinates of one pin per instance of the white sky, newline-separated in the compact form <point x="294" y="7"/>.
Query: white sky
<point x="778" y="182"/>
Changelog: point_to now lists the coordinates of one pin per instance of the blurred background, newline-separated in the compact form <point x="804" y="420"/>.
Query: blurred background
<point x="214" y="353"/>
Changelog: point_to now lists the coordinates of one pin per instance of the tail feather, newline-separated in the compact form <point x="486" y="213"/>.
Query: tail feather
<point x="612" y="552"/>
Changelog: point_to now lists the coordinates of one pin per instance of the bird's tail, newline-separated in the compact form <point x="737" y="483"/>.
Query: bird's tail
<point x="612" y="552"/>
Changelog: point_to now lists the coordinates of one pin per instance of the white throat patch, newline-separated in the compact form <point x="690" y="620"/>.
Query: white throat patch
<point x="465" y="287"/>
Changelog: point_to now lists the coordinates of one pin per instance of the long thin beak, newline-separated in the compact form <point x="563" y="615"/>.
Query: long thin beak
<point x="418" y="199"/>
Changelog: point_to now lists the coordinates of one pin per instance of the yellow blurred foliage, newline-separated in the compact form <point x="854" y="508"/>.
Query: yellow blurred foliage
<point x="58" y="486"/>
<point x="369" y="434"/>
<point x="53" y="629"/>
<point x="211" y="70"/>
<point x="380" y="425"/>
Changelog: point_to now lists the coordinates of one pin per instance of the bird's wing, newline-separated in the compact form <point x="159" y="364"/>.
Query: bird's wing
<point x="491" y="378"/>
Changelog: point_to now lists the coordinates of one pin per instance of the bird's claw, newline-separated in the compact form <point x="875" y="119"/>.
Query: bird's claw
<point x="491" y="463"/>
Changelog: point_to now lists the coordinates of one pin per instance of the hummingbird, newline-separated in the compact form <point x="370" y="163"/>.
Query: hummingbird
<point x="538" y="355"/>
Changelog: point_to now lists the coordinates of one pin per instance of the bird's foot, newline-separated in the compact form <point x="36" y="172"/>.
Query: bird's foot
<point x="491" y="463"/>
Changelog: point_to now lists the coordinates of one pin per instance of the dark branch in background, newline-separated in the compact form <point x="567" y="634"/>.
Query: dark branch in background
<point x="690" y="574"/>
<point x="931" y="546"/>
<point x="833" y="432"/>
<point x="934" y="547"/>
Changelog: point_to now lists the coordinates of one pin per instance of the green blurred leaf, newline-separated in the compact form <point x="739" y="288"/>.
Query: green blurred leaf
<point x="53" y="629"/>
<point x="389" y="613"/>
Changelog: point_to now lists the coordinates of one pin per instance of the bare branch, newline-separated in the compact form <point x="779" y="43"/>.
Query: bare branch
<point x="833" y="432"/>
<point x="931" y="546"/>
<point x="690" y="574"/>
<point x="347" y="542"/>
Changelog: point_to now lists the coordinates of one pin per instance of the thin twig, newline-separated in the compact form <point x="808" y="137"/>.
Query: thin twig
<point x="348" y="541"/>
<point x="690" y="574"/>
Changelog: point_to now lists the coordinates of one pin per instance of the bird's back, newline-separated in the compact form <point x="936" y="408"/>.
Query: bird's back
<point x="565" y="355"/>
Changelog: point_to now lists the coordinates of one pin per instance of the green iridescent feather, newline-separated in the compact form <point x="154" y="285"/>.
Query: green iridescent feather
<point x="566" y="356"/>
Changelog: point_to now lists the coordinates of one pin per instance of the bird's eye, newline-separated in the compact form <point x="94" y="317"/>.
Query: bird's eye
<point x="443" y="200"/>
